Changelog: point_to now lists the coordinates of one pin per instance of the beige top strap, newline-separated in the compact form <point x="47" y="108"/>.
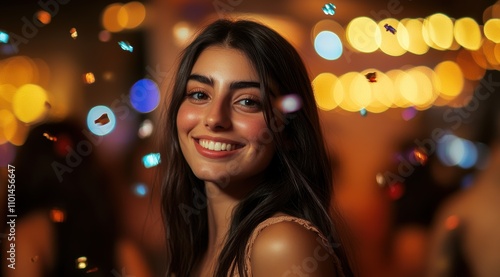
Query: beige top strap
<point x="273" y="220"/>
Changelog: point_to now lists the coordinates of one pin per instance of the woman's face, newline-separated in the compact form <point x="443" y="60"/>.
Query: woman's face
<point x="221" y="127"/>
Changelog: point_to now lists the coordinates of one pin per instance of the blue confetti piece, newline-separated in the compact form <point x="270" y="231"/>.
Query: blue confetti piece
<point x="329" y="9"/>
<point x="126" y="46"/>
<point x="151" y="160"/>
<point x="4" y="37"/>
<point x="389" y="28"/>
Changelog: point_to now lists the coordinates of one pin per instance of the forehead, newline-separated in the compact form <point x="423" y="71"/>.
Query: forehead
<point x="225" y="63"/>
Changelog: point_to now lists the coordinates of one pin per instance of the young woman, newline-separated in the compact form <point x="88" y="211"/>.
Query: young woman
<point x="246" y="186"/>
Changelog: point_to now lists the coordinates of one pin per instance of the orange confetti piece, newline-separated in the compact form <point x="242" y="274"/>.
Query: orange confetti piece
<point x="49" y="137"/>
<point x="102" y="120"/>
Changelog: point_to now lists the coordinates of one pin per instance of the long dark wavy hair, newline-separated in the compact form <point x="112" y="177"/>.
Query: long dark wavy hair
<point x="299" y="180"/>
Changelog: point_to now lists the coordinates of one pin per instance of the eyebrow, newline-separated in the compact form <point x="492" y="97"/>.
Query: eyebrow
<point x="234" y="85"/>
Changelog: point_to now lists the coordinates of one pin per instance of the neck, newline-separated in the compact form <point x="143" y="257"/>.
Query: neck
<point x="221" y="202"/>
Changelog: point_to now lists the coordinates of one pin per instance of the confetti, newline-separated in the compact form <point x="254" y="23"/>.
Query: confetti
<point x="126" y="46"/>
<point x="44" y="17"/>
<point x="81" y="262"/>
<point x="49" y="137"/>
<point x="420" y="155"/>
<point x="329" y="9"/>
<point x="371" y="76"/>
<point x="4" y="37"/>
<point x="94" y="269"/>
<point x="89" y="78"/>
<point x="35" y="259"/>
<point x="73" y="33"/>
<point x="102" y="120"/>
<point x="290" y="103"/>
<point x="151" y="160"/>
<point x="363" y="112"/>
<point x="389" y="28"/>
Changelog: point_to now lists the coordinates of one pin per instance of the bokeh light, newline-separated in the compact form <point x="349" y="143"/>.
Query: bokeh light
<point x="28" y="103"/>
<point x="95" y="123"/>
<point x="134" y="12"/>
<point x="328" y="45"/>
<point x="145" y="129"/>
<point x="144" y="95"/>
<point x="357" y="93"/>
<point x="110" y="20"/>
<point x="393" y="44"/>
<point x="289" y="103"/>
<point x="450" y="78"/>
<point x="140" y="189"/>
<point x="492" y="30"/>
<point x="469" y="67"/>
<point x="182" y="32"/>
<point x="18" y="70"/>
<point x="409" y="113"/>
<point x="324" y="85"/>
<point x="439" y="30"/>
<point x="416" y="42"/>
<point x="363" y="34"/>
<point x="455" y="151"/>
<point x="332" y="26"/>
<point x="467" y="33"/>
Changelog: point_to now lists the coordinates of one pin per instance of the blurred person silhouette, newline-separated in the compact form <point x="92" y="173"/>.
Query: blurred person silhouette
<point x="65" y="223"/>
<point x="465" y="239"/>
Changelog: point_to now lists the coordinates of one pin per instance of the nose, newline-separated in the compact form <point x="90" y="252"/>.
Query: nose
<point x="218" y="116"/>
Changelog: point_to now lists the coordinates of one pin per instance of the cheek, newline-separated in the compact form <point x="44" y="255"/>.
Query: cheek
<point x="255" y="130"/>
<point x="187" y="118"/>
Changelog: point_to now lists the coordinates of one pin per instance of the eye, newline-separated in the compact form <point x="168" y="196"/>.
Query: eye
<point x="250" y="103"/>
<point x="197" y="95"/>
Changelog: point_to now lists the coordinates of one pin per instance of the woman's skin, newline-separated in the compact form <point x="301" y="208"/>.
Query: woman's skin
<point x="222" y="105"/>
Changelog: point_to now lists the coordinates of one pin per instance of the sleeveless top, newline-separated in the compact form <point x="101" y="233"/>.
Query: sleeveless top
<point x="304" y="223"/>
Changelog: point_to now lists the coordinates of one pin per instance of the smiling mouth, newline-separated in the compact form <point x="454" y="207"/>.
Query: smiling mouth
<point x="217" y="146"/>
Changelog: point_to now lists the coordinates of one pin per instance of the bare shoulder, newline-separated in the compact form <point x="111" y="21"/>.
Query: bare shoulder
<point x="289" y="249"/>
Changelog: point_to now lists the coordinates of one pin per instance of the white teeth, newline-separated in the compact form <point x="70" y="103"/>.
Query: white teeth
<point x="216" y="146"/>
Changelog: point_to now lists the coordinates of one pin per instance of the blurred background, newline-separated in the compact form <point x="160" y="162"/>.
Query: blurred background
<point x="403" y="89"/>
